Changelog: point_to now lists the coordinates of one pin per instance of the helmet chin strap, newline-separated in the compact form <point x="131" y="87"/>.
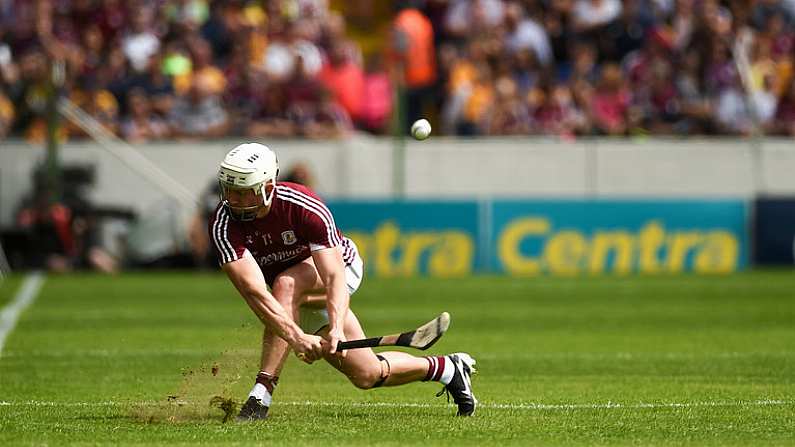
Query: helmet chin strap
<point x="267" y="199"/>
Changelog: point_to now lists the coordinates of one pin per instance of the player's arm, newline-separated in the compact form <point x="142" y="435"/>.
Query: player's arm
<point x="247" y="277"/>
<point x="331" y="268"/>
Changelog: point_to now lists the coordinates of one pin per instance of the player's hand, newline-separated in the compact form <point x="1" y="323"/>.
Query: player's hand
<point x="334" y="337"/>
<point x="308" y="348"/>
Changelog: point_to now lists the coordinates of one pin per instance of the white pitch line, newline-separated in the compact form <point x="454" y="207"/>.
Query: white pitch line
<point x="495" y="406"/>
<point x="26" y="295"/>
<point x="540" y="406"/>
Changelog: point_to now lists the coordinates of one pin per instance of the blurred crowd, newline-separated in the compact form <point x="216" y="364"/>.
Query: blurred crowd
<point x="191" y="69"/>
<point x="611" y="67"/>
<point x="186" y="69"/>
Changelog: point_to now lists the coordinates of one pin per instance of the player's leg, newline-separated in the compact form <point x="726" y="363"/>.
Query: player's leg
<point x="366" y="369"/>
<point x="287" y="289"/>
<point x="260" y="397"/>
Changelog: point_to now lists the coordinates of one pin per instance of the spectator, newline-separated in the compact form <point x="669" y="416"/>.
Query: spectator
<point x="656" y="100"/>
<point x="763" y="102"/>
<point x="344" y="79"/>
<point x="6" y="115"/>
<point x="243" y="98"/>
<point x="221" y="27"/>
<point x="627" y="33"/>
<point x="720" y="71"/>
<point x="302" y="87"/>
<point x="301" y="174"/>
<point x="695" y="104"/>
<point x="93" y="50"/>
<point x="558" y="28"/>
<point x="97" y="102"/>
<point x="559" y="114"/>
<point x="784" y="120"/>
<point x="471" y="17"/>
<point x="112" y="18"/>
<point x="526" y="33"/>
<point x="508" y="114"/>
<point x="279" y="59"/>
<point x="732" y="113"/>
<point x="141" y="43"/>
<point x="478" y="102"/>
<point x="178" y="65"/>
<point x="414" y="61"/>
<point x="610" y="104"/>
<point x="115" y="75"/>
<point x="585" y="65"/>
<point x="461" y="86"/>
<point x="377" y="98"/>
<point x="302" y="45"/>
<point x="525" y="70"/>
<point x="325" y="119"/>
<point x="780" y="32"/>
<point x="199" y="114"/>
<point x="588" y="15"/>
<point x="762" y="65"/>
<point x="201" y="69"/>
<point x="157" y="86"/>
<point x="272" y="117"/>
<point x="9" y="72"/>
<point x="684" y="22"/>
<point x="29" y="94"/>
<point x="188" y="14"/>
<point x="141" y="125"/>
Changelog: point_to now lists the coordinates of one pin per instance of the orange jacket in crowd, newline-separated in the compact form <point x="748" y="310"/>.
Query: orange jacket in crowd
<point x="413" y="46"/>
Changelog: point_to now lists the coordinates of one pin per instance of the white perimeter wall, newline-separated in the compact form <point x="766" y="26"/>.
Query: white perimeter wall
<point x="362" y="167"/>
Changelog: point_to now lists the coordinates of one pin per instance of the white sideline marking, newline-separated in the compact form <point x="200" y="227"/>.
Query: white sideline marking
<point x="26" y="295"/>
<point x="495" y="406"/>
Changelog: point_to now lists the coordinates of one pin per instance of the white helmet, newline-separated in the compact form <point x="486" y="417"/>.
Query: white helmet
<point x="248" y="166"/>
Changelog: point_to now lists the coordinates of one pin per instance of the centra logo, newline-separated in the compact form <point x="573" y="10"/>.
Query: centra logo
<point x="532" y="245"/>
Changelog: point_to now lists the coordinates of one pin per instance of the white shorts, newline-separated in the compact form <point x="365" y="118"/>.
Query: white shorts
<point x="312" y="320"/>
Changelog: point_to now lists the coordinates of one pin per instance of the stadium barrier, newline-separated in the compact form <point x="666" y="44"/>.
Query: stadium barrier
<point x="444" y="168"/>
<point x="558" y="237"/>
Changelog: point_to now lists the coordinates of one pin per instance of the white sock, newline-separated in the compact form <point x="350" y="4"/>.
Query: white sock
<point x="449" y="371"/>
<point x="261" y="393"/>
<point x="440" y="369"/>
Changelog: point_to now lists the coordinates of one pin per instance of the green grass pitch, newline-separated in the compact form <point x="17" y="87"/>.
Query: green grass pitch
<point x="135" y="359"/>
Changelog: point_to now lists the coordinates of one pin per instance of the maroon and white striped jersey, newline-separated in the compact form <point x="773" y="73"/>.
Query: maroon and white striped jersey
<point x="298" y="224"/>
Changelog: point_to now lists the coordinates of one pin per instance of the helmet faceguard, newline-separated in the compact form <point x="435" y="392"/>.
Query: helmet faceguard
<point x="246" y="213"/>
<point x="248" y="167"/>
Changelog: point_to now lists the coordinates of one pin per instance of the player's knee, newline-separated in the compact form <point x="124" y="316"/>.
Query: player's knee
<point x="374" y="376"/>
<point x="365" y="379"/>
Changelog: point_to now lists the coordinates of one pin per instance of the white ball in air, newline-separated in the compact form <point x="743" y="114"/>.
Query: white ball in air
<point x="421" y="129"/>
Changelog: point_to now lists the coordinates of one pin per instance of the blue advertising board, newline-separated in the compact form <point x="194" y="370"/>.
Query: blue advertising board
<point x="406" y="238"/>
<point x="560" y="237"/>
<point x="602" y="236"/>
